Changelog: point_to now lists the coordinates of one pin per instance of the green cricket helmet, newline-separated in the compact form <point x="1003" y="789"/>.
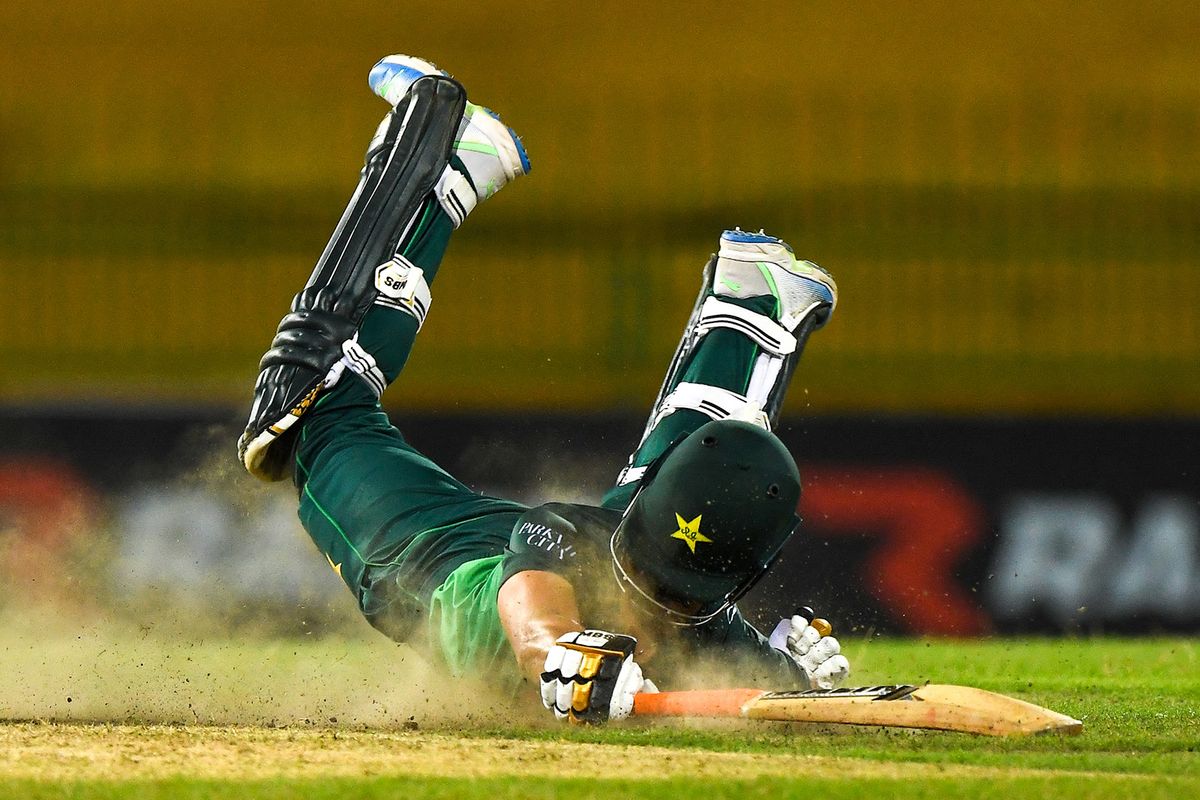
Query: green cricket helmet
<point x="710" y="517"/>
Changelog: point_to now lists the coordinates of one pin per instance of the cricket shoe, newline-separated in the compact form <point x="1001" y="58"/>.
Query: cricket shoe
<point x="487" y="153"/>
<point x="755" y="264"/>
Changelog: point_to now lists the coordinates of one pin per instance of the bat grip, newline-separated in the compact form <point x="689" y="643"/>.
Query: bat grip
<point x="700" y="703"/>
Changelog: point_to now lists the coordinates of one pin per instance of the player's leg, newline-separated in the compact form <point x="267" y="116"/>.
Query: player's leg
<point x="431" y="160"/>
<point x="392" y="523"/>
<point x="485" y="156"/>
<point x="368" y="499"/>
<point x="756" y="308"/>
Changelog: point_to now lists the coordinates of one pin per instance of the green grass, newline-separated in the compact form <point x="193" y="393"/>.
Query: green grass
<point x="522" y="788"/>
<point x="1138" y="699"/>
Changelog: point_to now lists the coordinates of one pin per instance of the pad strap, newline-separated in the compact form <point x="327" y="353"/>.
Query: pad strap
<point x="456" y="195"/>
<point x="764" y="331"/>
<point x="712" y="401"/>
<point x="360" y="362"/>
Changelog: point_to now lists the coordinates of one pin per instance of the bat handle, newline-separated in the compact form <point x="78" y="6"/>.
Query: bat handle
<point x="700" y="703"/>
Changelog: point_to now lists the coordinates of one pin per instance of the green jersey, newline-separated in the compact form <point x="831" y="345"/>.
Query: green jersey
<point x="573" y="541"/>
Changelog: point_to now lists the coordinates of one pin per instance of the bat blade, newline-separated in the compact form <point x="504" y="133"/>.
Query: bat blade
<point x="935" y="707"/>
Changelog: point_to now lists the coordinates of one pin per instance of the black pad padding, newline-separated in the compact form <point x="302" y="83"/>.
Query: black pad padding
<point x="399" y="172"/>
<point x="402" y="167"/>
<point x="306" y="338"/>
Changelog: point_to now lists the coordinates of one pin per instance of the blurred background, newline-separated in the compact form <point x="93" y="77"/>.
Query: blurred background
<point x="998" y="429"/>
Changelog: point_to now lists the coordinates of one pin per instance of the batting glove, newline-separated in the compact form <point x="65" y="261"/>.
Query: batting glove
<point x="819" y="657"/>
<point x="590" y="676"/>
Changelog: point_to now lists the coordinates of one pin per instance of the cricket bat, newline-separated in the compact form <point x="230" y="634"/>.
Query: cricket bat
<point x="932" y="707"/>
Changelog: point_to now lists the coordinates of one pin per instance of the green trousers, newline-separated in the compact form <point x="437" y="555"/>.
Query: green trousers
<point x="419" y="550"/>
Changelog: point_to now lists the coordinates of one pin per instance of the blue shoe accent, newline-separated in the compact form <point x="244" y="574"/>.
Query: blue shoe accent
<point x="525" y="165"/>
<point x="388" y="71"/>
<point x="822" y="291"/>
<point x="752" y="238"/>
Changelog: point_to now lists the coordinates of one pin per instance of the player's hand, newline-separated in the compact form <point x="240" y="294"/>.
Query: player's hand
<point x="818" y="654"/>
<point x="590" y="676"/>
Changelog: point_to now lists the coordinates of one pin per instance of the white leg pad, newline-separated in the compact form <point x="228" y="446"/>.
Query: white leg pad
<point x="762" y="378"/>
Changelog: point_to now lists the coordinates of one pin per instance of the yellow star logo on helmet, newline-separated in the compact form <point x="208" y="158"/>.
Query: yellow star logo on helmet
<point x="689" y="531"/>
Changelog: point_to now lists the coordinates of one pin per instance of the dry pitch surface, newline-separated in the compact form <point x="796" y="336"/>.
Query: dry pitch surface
<point x="58" y="752"/>
<point x="151" y="716"/>
<point x="72" y="752"/>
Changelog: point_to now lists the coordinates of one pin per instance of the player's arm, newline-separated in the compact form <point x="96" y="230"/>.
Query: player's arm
<point x="795" y="654"/>
<point x="584" y="675"/>
<point x="536" y="608"/>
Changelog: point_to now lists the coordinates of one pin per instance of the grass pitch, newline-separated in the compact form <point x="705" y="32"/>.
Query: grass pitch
<point x="158" y="717"/>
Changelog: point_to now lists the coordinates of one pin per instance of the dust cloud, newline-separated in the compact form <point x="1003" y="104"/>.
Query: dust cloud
<point x="197" y="598"/>
<point x="102" y="669"/>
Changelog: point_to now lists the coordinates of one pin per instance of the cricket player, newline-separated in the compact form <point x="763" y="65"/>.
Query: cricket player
<point x="574" y="599"/>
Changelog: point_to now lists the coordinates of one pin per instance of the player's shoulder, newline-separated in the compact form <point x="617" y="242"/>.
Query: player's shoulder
<point x="556" y="520"/>
<point x="563" y="529"/>
<point x="565" y="538"/>
<point x="579" y="514"/>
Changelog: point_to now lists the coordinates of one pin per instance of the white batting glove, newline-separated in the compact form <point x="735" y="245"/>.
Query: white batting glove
<point x="590" y="676"/>
<point x="819" y="657"/>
